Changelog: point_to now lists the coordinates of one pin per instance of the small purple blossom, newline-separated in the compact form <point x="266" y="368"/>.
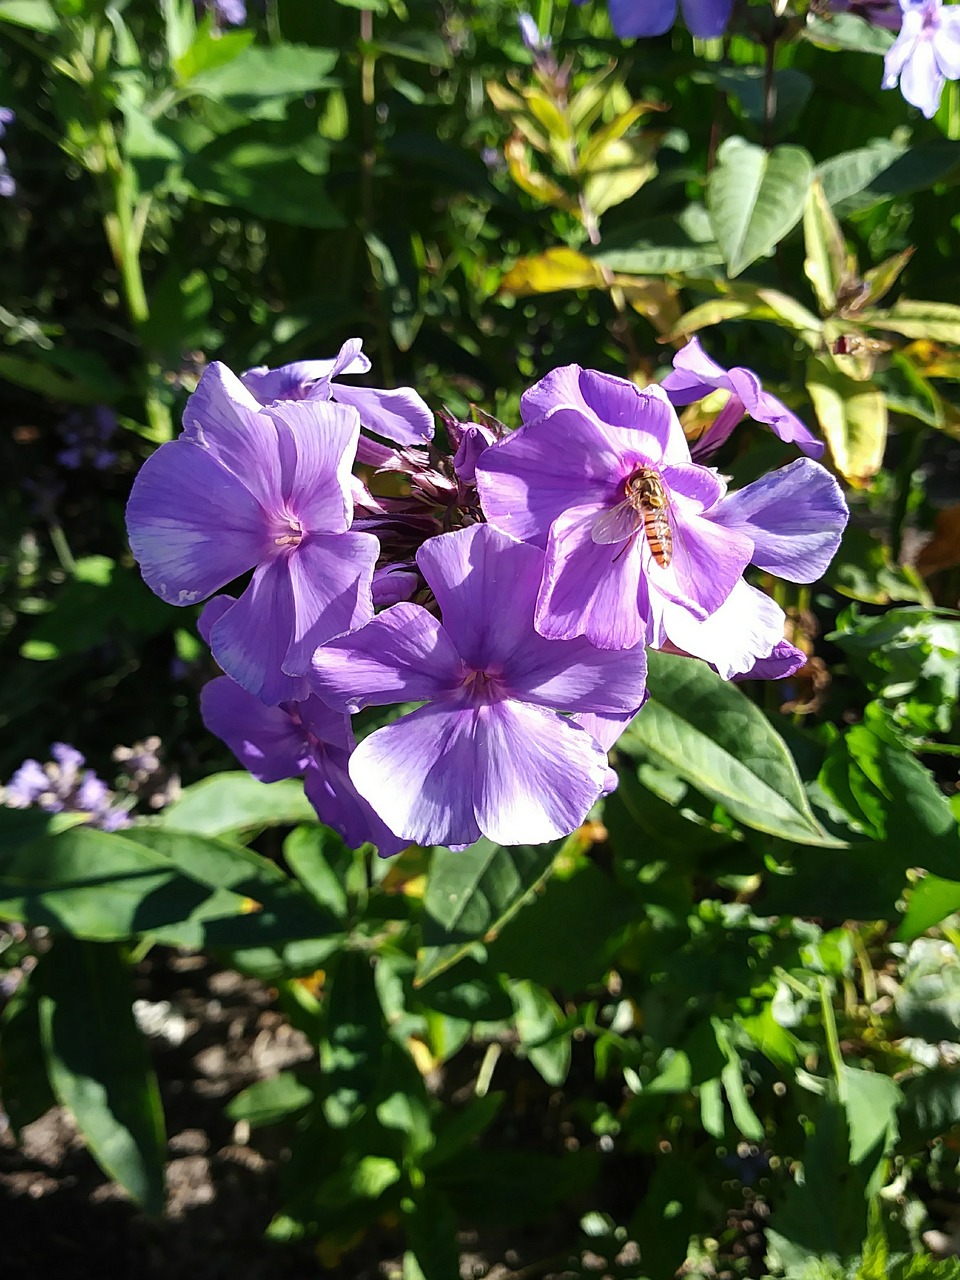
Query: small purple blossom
<point x="705" y="19"/>
<point x="269" y="489"/>
<point x="64" y="786"/>
<point x="230" y="13"/>
<point x="292" y="740"/>
<point x="399" y="415"/>
<point x="695" y="376"/>
<point x="925" y="54"/>
<point x="539" y="45"/>
<point x="561" y="481"/>
<point x="85" y="436"/>
<point x="488" y="754"/>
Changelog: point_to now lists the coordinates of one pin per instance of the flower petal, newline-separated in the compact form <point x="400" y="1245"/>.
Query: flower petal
<point x="561" y="460"/>
<point x="694" y="375"/>
<point x="349" y="359"/>
<point x="537" y="775"/>
<point x="591" y="589"/>
<point x="558" y="387"/>
<point x="193" y="526"/>
<point x="400" y="415"/>
<point x="706" y="19"/>
<point x="331" y="577"/>
<point x="707" y="562"/>
<point x="794" y="516"/>
<point x="784" y="659"/>
<point x="472" y="572"/>
<point x="642" y="425"/>
<point x="267" y="741"/>
<point x="641" y="18"/>
<point x="946" y="44"/>
<point x="324" y="437"/>
<point x="746" y="627"/>
<point x="300" y="380"/>
<point x="223" y="418"/>
<point x="331" y="791"/>
<point x="921" y="82"/>
<point x="402" y="655"/>
<point x="211" y="613"/>
<point x="606" y="729"/>
<point x="250" y="639"/>
<point x="419" y="774"/>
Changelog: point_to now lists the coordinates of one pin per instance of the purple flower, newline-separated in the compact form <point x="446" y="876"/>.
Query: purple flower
<point x="695" y="376"/>
<point x="294" y="739"/>
<point x="26" y="786"/>
<point x="530" y="34"/>
<point x="399" y="415"/>
<point x="925" y="54"/>
<point x="230" y="13"/>
<point x="488" y="754"/>
<point x="265" y="489"/>
<point x="61" y="787"/>
<point x="623" y="570"/>
<point x="705" y="19"/>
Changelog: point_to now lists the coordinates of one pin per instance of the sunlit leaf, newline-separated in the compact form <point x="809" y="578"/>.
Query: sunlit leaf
<point x="755" y="197"/>
<point x="557" y="268"/>
<point x="709" y="732"/>
<point x="853" y="417"/>
<point x="826" y="261"/>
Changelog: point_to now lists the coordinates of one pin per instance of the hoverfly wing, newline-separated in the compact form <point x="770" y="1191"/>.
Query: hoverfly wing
<point x="616" y="524"/>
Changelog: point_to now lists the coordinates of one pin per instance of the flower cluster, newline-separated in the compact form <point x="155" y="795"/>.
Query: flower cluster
<point x="64" y="786"/>
<point x="520" y="578"/>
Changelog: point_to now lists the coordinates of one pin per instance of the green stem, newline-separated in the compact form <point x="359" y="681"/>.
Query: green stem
<point x="830" y="1029"/>
<point x="62" y="547"/>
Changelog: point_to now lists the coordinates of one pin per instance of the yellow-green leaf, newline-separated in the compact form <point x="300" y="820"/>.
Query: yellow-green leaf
<point x="853" y="416"/>
<point x="618" y="171"/>
<point x="826" y="251"/>
<point x="528" y="179"/>
<point x="938" y="321"/>
<point x="554" y="269"/>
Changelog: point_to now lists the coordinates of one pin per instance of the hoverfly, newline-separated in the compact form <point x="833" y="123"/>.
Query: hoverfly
<point x="645" y="506"/>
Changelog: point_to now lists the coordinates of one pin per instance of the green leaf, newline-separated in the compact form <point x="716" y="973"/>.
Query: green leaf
<point x="234" y="803"/>
<point x="870" y="1100"/>
<point x="271" y="1100"/>
<point x="826" y="260"/>
<point x="102" y="886"/>
<point x="929" y="902"/>
<point x="930" y="1106"/>
<point x="709" y="732"/>
<point x="415" y="46"/>
<point x="853" y="416"/>
<point x="264" y="72"/>
<point x="859" y="179"/>
<point x="754" y="198"/>
<point x="98" y="1064"/>
<point x="38" y="15"/>
<point x="210" y="50"/>
<point x="847" y="31"/>
<point x="24" y="1086"/>
<point x="539" y="1022"/>
<point x="351" y="1051"/>
<point x="472" y="894"/>
<point x="935" y="321"/>
<point x="657" y="246"/>
<point x="262" y="169"/>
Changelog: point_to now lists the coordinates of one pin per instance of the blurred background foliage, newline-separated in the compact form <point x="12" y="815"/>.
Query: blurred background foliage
<point x="719" y="1027"/>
